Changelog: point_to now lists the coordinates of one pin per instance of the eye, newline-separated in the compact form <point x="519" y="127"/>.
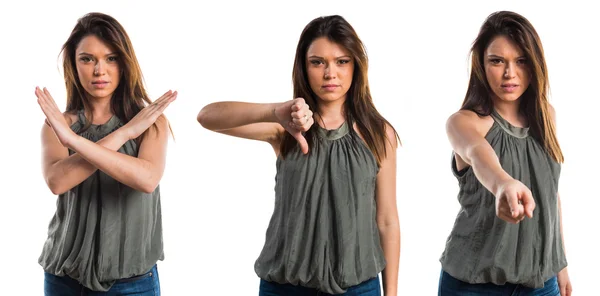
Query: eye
<point x="495" y="61"/>
<point x="522" y="61"/>
<point x="315" y="62"/>
<point x="113" y="59"/>
<point x="344" y="61"/>
<point x="85" y="59"/>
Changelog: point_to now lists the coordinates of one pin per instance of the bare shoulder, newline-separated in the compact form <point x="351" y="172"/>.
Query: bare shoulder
<point x="392" y="138"/>
<point x="391" y="135"/>
<point x="161" y="128"/>
<point x="162" y="121"/>
<point x="552" y="112"/>
<point x="469" y="121"/>
<point x="70" y="117"/>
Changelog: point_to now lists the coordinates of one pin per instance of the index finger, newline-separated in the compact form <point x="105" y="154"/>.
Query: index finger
<point x="298" y="104"/>
<point x="528" y="203"/>
<point x="163" y="97"/>
<point x="163" y="105"/>
<point x="513" y="204"/>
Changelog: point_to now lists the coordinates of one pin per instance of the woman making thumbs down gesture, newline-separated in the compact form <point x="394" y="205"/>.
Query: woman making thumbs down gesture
<point x="335" y="223"/>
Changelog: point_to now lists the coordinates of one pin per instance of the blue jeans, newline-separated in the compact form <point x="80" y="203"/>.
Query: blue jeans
<point x="367" y="288"/>
<point x="450" y="286"/>
<point x="146" y="284"/>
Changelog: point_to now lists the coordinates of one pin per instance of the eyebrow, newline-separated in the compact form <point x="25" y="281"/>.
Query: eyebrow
<point x="500" y="57"/>
<point x="318" y="57"/>
<point x="85" y="53"/>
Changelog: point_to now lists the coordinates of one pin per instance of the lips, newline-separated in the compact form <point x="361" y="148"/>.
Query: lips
<point x="99" y="83"/>
<point x="330" y="87"/>
<point x="509" y="87"/>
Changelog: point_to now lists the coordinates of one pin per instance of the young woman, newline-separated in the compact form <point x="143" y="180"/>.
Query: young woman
<point x="507" y="236"/>
<point x="335" y="223"/>
<point x="104" y="157"/>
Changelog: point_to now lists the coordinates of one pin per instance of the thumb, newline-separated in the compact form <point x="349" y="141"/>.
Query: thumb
<point x="513" y="204"/>
<point x="528" y="203"/>
<point x="301" y="141"/>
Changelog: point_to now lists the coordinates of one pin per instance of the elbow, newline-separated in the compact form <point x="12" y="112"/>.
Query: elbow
<point x="56" y="191"/>
<point x="55" y="187"/>
<point x="149" y="187"/>
<point x="389" y="226"/>
<point x="202" y="118"/>
<point x="390" y="222"/>
<point x="208" y="117"/>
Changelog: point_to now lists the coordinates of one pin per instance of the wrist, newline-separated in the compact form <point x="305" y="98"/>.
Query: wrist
<point x="499" y="183"/>
<point x="270" y="115"/>
<point x="123" y="133"/>
<point x="73" y="141"/>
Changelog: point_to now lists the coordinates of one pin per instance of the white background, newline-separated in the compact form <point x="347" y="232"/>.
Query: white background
<point x="217" y="191"/>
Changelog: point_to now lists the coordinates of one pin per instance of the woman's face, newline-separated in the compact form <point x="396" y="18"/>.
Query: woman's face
<point x="98" y="67"/>
<point x="506" y="69"/>
<point x="330" y="68"/>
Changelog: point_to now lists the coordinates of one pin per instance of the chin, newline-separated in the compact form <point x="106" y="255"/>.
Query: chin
<point x="331" y="97"/>
<point x="509" y="97"/>
<point x="98" y="94"/>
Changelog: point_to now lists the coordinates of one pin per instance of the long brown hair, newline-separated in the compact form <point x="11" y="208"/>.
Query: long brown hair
<point x="534" y="101"/>
<point x="359" y="107"/>
<point x="130" y="96"/>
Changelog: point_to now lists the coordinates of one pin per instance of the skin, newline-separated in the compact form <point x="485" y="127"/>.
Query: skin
<point x="96" y="62"/>
<point x="505" y="65"/>
<point x="330" y="70"/>
<point x="62" y="172"/>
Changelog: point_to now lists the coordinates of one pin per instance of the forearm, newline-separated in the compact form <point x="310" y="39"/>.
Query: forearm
<point x="71" y="171"/>
<point x="134" y="172"/>
<point x="562" y="236"/>
<point x="390" y="242"/>
<point x="486" y="167"/>
<point x="225" y="115"/>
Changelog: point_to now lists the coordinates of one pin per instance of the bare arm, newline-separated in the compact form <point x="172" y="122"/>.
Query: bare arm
<point x="564" y="281"/>
<point x="142" y="173"/>
<point x="387" y="216"/>
<point x="562" y="236"/>
<point x="466" y="132"/>
<point x="468" y="142"/>
<point x="263" y="122"/>
<point x="246" y="120"/>
<point x="63" y="172"/>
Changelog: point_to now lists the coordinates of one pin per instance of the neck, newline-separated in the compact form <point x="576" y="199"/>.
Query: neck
<point x="510" y="111"/>
<point x="101" y="110"/>
<point x="330" y="115"/>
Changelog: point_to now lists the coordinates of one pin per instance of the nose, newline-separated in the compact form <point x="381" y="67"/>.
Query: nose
<point x="330" y="71"/>
<point x="509" y="71"/>
<point x="99" y="68"/>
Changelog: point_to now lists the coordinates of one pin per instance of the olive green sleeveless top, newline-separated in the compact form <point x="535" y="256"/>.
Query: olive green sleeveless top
<point x="482" y="248"/>
<point x="323" y="232"/>
<point x="103" y="230"/>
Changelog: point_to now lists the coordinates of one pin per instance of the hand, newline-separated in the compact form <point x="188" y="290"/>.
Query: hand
<point x="54" y="118"/>
<point x="295" y="116"/>
<point x="514" y="201"/>
<point x="564" y="283"/>
<point x="147" y="116"/>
